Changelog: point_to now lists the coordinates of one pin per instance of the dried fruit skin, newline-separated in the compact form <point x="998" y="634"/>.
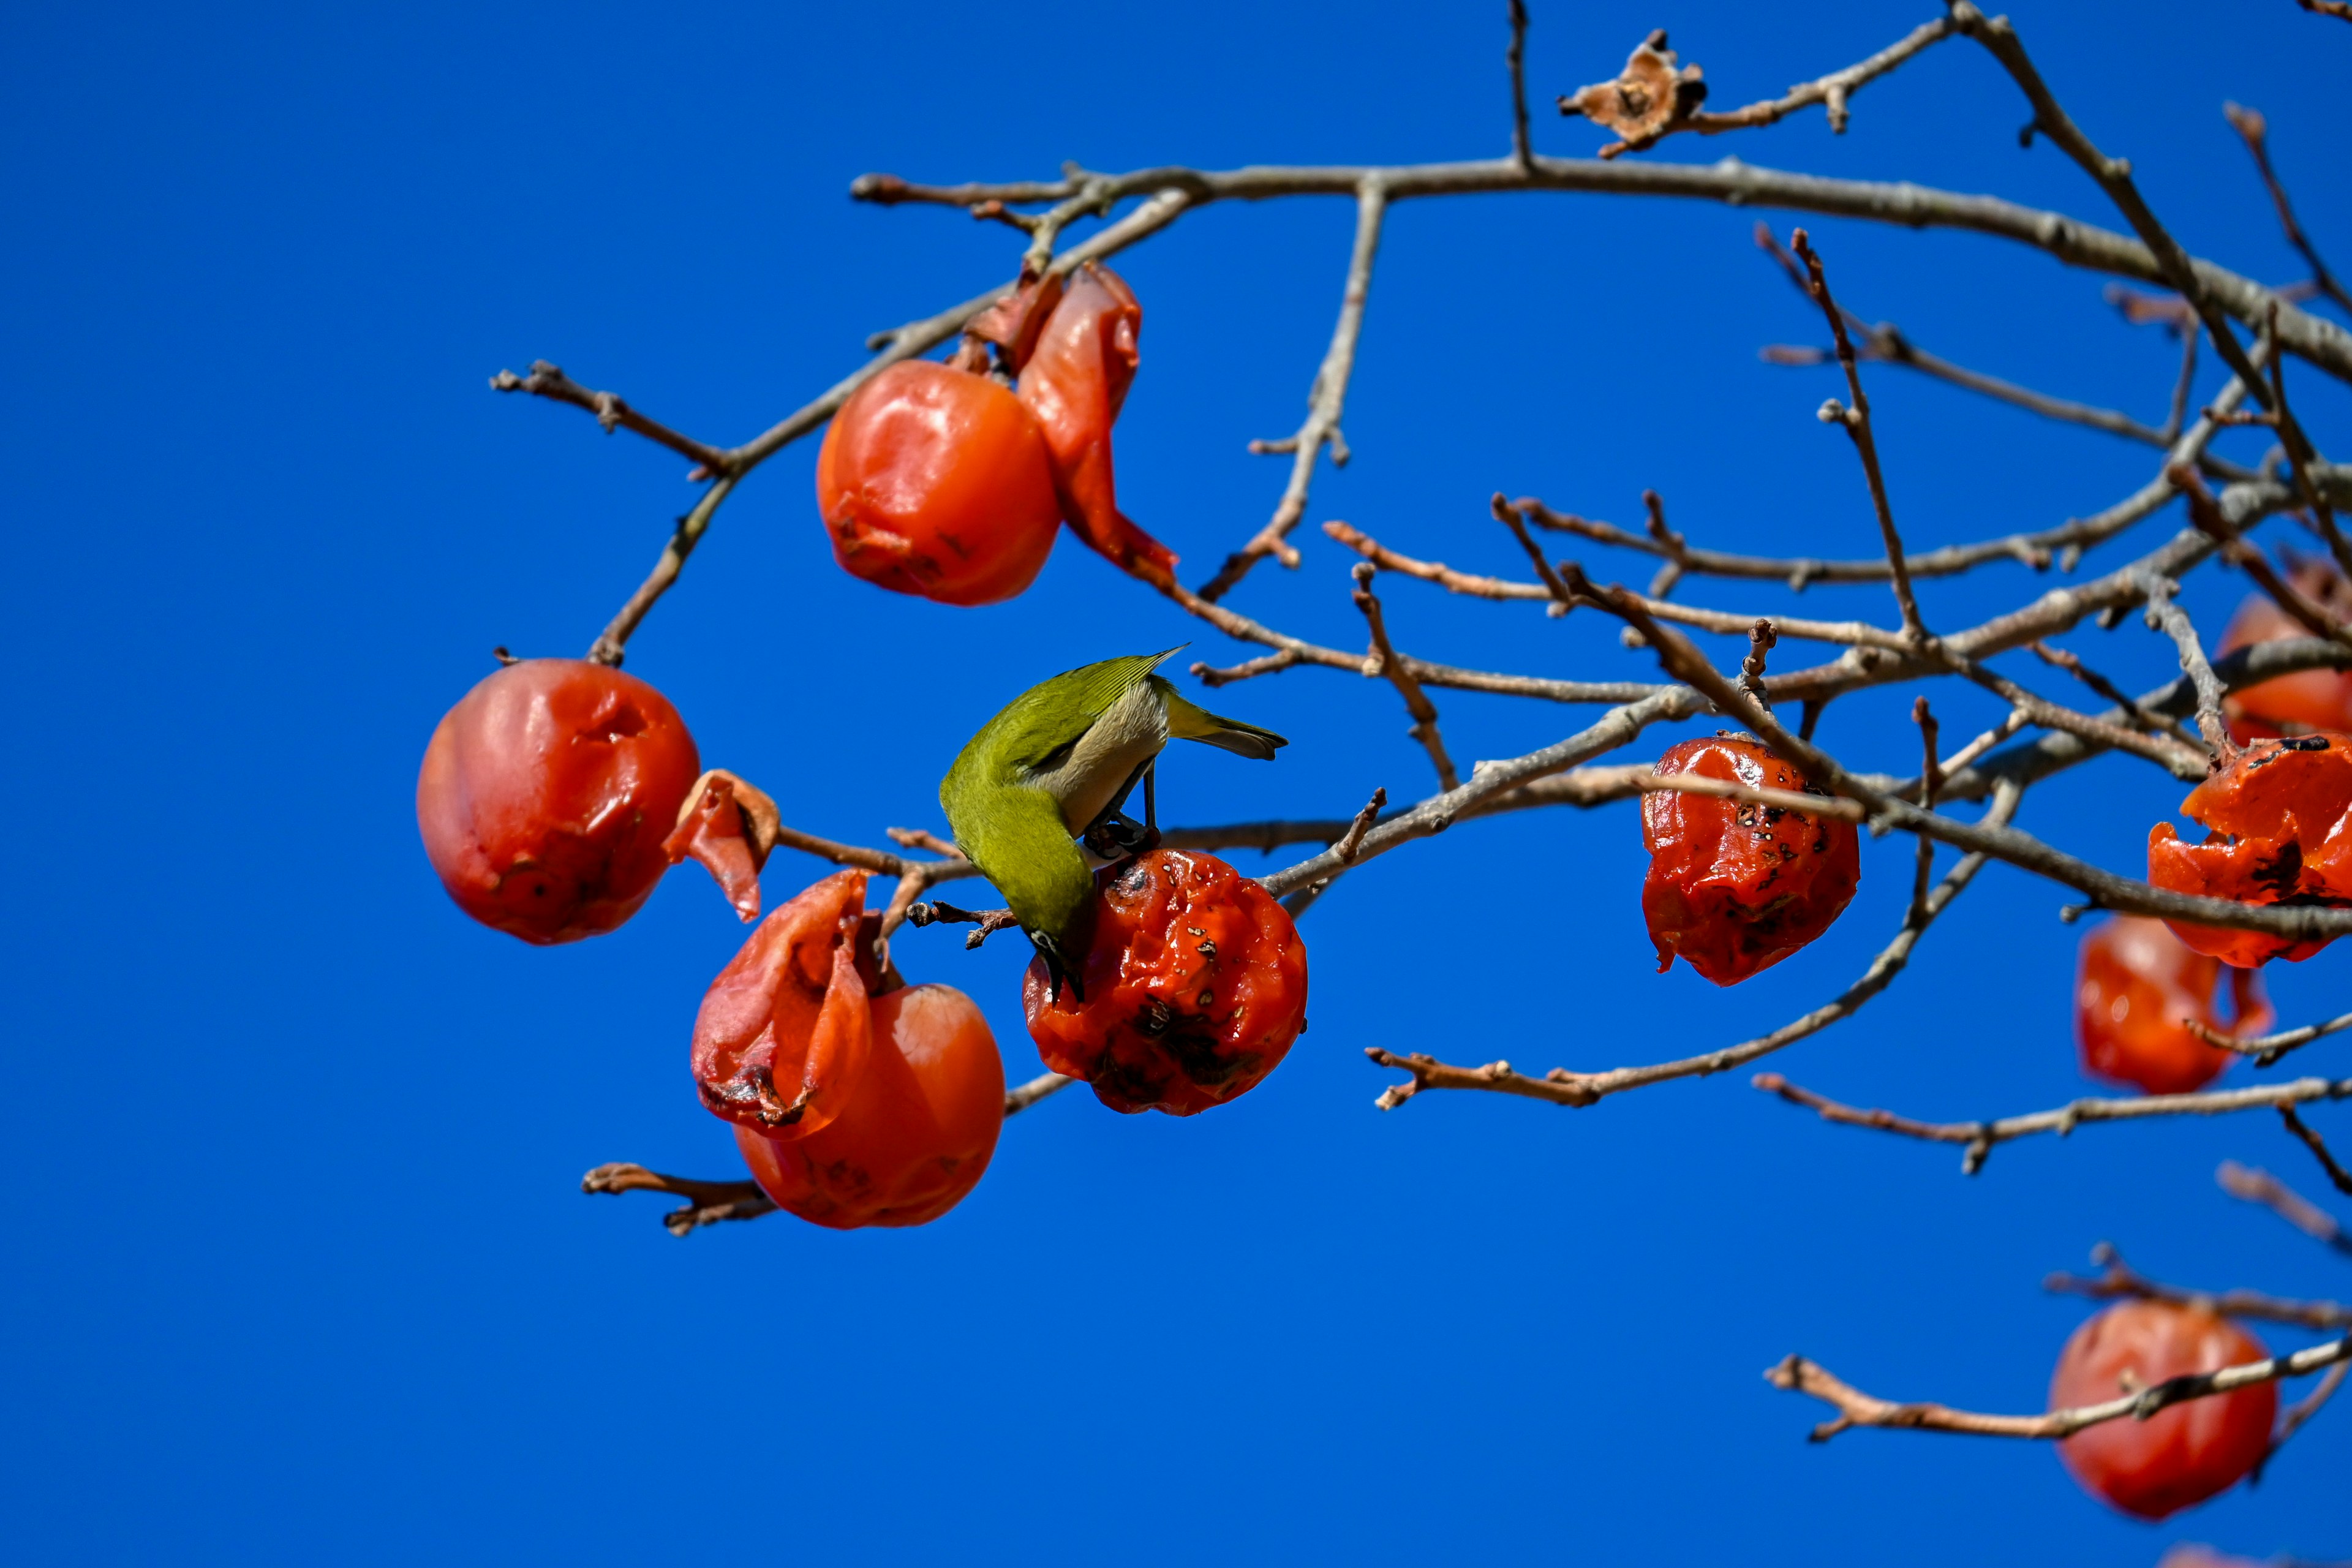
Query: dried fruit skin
<point x="2178" y="1457"/>
<point x="1075" y="383"/>
<point x="714" y="831"/>
<point x="784" y="1036"/>
<point x="1195" y="985"/>
<point x="546" y="793"/>
<point x="1734" y="887"/>
<point x="918" y="1131"/>
<point x="2136" y="983"/>
<point x="2309" y="698"/>
<point x="937" y="482"/>
<point x="2280" y="832"/>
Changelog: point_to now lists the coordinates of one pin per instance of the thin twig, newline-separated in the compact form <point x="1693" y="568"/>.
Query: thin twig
<point x="2267" y="1048"/>
<point x="2118" y="1280"/>
<point x="1521" y="148"/>
<point x="2257" y="1187"/>
<point x="2164" y="614"/>
<point x="2341" y="1178"/>
<point x="2249" y="124"/>
<point x="1327" y="399"/>
<point x="1930" y="779"/>
<point x="1855" y="1408"/>
<point x="612" y="412"/>
<point x="1856" y="423"/>
<point x="1349" y="844"/>
<point x="1020" y="1096"/>
<point x="1383" y="661"/>
<point x="706" y="1202"/>
<point x="1979" y="1137"/>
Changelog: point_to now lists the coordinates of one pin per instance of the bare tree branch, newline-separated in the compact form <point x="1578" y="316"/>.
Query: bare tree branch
<point x="2255" y="1186"/>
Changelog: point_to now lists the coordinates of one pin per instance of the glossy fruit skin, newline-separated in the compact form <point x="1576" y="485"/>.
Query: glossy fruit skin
<point x="2309" y="698"/>
<point x="937" y="482"/>
<point x="2280" y="822"/>
<point x="545" y="795"/>
<point x="1195" y="986"/>
<point x="1075" y="382"/>
<point x="1733" y="887"/>
<point x="2135" y="983"/>
<point x="2178" y="1457"/>
<point x="784" y="1036"/>
<point x="917" y="1132"/>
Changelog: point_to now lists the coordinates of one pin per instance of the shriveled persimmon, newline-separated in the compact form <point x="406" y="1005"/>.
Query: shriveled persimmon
<point x="2138" y="988"/>
<point x="728" y="826"/>
<point x="1191" y="989"/>
<point x="2179" y="1456"/>
<point x="1074" y="382"/>
<point x="918" y="1131"/>
<point x="784" y="1036"/>
<point x="936" y="481"/>
<point x="545" y="795"/>
<point x="2309" y="698"/>
<point x="1734" y="887"/>
<point x="2279" y="822"/>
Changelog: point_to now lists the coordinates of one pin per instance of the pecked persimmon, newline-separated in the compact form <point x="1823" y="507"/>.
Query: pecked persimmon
<point x="2138" y="988"/>
<point x="1194" y="985"/>
<point x="784" y="1036"/>
<point x="2309" y="698"/>
<point x="1074" y="382"/>
<point x="2179" y="1456"/>
<point x="2279" y="821"/>
<point x="917" y="1132"/>
<point x="936" y="481"/>
<point x="545" y="795"/>
<point x="1734" y="887"/>
<point x="728" y="826"/>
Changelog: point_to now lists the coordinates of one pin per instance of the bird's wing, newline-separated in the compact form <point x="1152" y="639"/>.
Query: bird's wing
<point x="1032" y="733"/>
<point x="1187" y="722"/>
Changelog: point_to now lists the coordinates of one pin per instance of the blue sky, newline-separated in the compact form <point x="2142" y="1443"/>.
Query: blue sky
<point x="296" y="1264"/>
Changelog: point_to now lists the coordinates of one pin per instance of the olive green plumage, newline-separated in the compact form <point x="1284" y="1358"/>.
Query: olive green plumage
<point x="1057" y="759"/>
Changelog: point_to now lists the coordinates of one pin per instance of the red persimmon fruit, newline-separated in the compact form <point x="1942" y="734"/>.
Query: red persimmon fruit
<point x="917" y="1131"/>
<point x="1194" y="981"/>
<point x="2179" y="1456"/>
<point x="2138" y="988"/>
<point x="546" y="794"/>
<point x="784" y="1034"/>
<point x="936" y="481"/>
<point x="2279" y="822"/>
<point x="2309" y="698"/>
<point x="1734" y="887"/>
<point x="1074" y="382"/>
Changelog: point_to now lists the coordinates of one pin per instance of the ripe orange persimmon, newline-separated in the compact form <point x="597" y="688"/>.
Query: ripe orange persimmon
<point x="917" y="1131"/>
<point x="1075" y="381"/>
<point x="783" y="1034"/>
<point x="936" y="481"/>
<point x="545" y="795"/>
<point x="1194" y="981"/>
<point x="1734" y="887"/>
<point x="2179" y="1456"/>
<point x="2309" y="698"/>
<point x="2136" y="983"/>
<point x="2279" y="817"/>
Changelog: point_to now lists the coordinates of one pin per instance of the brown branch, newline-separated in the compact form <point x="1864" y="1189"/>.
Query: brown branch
<point x="2257" y="1187"/>
<point x="1979" y="1137"/>
<point x="2340" y="9"/>
<point x="1522" y="149"/>
<point x="2266" y="1049"/>
<point x="938" y="912"/>
<point x="2251" y="126"/>
<point x="1326" y="400"/>
<point x="1856" y="423"/>
<point x="2211" y="521"/>
<point x="2165" y="616"/>
<point x="1831" y="91"/>
<point x="2134" y="714"/>
<point x="1855" y="1408"/>
<point x="2118" y="1280"/>
<point x="1561" y="1087"/>
<point x="1383" y="661"/>
<point x="706" y="1202"/>
<point x="2341" y="1178"/>
<point x="1346" y="849"/>
<point x="612" y="412"/>
<point x="1020" y="1096"/>
<point x="1930" y="779"/>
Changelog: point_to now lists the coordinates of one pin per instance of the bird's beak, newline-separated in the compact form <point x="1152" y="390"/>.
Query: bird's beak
<point x="1058" y="971"/>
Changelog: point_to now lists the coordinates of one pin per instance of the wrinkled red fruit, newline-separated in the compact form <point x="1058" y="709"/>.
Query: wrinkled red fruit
<point x="936" y="481"/>
<point x="2309" y="698"/>
<point x="917" y="1132"/>
<point x="1195" y="985"/>
<point x="2138" y="982"/>
<point x="1075" y="383"/>
<point x="545" y="795"/>
<point x="2179" y="1456"/>
<point x="1736" y="888"/>
<point x="2280" y="832"/>
<point x="784" y="1036"/>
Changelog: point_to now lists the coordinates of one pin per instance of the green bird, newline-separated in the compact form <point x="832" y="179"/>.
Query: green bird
<point x="1057" y="765"/>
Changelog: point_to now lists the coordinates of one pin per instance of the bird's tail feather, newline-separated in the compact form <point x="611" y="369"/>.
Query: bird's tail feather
<point x="1188" y="721"/>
